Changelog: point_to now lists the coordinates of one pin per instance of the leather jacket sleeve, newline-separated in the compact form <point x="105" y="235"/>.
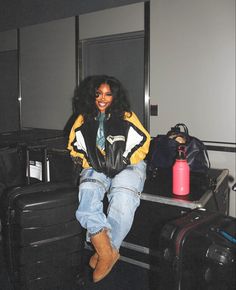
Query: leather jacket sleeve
<point x="138" y="140"/>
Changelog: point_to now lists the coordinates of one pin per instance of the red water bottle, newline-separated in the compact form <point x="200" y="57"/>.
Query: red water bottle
<point x="181" y="174"/>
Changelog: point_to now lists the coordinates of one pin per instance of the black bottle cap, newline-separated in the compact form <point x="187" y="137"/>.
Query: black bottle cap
<point x="181" y="153"/>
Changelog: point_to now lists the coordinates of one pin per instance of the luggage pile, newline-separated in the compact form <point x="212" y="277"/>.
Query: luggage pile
<point x="176" y="243"/>
<point x="41" y="238"/>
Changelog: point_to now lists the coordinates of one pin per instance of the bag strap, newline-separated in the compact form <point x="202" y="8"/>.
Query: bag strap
<point x="205" y="152"/>
<point x="185" y="128"/>
<point x="207" y="157"/>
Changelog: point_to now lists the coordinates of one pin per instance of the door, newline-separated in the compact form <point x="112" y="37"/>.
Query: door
<point x="121" y="56"/>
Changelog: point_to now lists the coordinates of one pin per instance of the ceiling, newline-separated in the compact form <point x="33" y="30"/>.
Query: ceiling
<point x="19" y="13"/>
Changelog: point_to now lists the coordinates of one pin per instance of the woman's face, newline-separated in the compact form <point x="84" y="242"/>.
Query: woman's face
<point x="103" y="97"/>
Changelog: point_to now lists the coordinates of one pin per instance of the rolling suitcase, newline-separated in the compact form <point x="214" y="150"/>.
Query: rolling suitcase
<point x="12" y="167"/>
<point x="42" y="240"/>
<point x="29" y="136"/>
<point x="49" y="160"/>
<point x="198" y="252"/>
<point x="42" y="151"/>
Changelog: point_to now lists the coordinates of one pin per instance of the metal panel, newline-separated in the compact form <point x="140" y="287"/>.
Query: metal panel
<point x="147" y="64"/>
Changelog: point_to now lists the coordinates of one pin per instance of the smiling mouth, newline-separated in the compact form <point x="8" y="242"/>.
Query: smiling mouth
<point x="102" y="104"/>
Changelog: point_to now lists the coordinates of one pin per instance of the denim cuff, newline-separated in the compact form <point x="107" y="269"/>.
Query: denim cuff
<point x="99" y="231"/>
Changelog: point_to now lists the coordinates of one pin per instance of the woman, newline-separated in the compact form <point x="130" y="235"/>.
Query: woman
<point x="111" y="144"/>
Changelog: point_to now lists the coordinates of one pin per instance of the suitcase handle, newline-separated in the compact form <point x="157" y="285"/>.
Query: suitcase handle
<point x="228" y="236"/>
<point x="43" y="150"/>
<point x="225" y="234"/>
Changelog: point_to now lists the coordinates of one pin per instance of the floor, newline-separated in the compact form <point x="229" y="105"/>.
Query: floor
<point x="124" y="276"/>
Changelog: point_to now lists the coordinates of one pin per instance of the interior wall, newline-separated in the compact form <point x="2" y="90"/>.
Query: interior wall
<point x="9" y="110"/>
<point x="123" y="19"/>
<point x="48" y="62"/>
<point x="8" y="40"/>
<point x="47" y="73"/>
<point x="192" y="72"/>
<point x="193" y="66"/>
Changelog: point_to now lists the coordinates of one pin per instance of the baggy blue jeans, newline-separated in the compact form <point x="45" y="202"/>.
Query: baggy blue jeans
<point x="123" y="193"/>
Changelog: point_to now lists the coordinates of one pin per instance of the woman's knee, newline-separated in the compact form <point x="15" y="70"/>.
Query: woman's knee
<point x="90" y="199"/>
<point x="88" y="187"/>
<point x="132" y="177"/>
<point x="123" y="201"/>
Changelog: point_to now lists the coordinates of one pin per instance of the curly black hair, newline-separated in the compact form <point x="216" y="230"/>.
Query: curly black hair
<point x="84" y="99"/>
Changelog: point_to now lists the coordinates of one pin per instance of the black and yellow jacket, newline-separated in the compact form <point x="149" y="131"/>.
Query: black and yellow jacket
<point x="126" y="142"/>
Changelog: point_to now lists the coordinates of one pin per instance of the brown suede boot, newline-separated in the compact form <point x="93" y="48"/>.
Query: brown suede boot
<point x="93" y="260"/>
<point x="107" y="256"/>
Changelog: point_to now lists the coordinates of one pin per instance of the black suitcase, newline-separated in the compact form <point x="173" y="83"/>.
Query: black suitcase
<point x="42" y="240"/>
<point x="29" y="136"/>
<point x="198" y="252"/>
<point x="53" y="159"/>
<point x="39" y="145"/>
<point x="12" y="167"/>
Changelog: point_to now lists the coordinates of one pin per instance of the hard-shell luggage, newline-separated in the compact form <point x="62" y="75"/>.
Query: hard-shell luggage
<point x="29" y="136"/>
<point x="198" y="252"/>
<point x="12" y="167"/>
<point x="42" y="240"/>
<point x="47" y="160"/>
<point x="51" y="161"/>
<point x="13" y="146"/>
